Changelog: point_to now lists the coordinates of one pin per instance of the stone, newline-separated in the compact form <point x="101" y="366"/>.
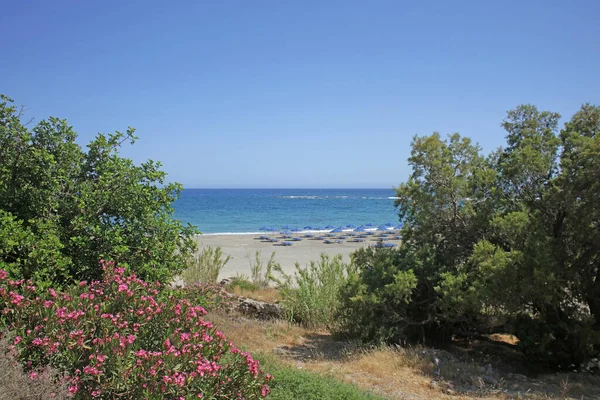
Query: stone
<point x="260" y="309"/>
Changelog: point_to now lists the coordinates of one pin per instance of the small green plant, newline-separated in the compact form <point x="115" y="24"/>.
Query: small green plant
<point x="256" y="269"/>
<point x="205" y="266"/>
<point x="311" y="295"/>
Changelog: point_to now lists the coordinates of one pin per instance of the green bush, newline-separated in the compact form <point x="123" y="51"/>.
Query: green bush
<point x="124" y="338"/>
<point x="205" y="266"/>
<point x="63" y="207"/>
<point x="312" y="295"/>
<point x="501" y="243"/>
<point x="261" y="275"/>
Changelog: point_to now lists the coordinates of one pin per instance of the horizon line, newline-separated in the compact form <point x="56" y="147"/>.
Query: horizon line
<point x="289" y="188"/>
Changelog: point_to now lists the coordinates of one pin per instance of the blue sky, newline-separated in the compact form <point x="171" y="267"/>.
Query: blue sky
<point x="295" y="94"/>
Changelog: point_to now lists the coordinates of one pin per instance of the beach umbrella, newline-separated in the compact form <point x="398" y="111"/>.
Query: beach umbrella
<point x="369" y="225"/>
<point x="264" y="228"/>
<point x="382" y="228"/>
<point x="308" y="228"/>
<point x="286" y="232"/>
<point x="351" y="226"/>
<point x="399" y="226"/>
<point x="337" y="230"/>
<point x="296" y="229"/>
<point x="360" y="229"/>
<point x="390" y="224"/>
<point x="286" y="227"/>
<point x="318" y="228"/>
<point x="329" y="227"/>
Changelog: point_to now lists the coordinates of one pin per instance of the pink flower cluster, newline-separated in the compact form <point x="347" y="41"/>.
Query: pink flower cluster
<point x="122" y="336"/>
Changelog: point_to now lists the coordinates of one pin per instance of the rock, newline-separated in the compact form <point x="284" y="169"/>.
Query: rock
<point x="260" y="309"/>
<point x="177" y="283"/>
<point x="224" y="282"/>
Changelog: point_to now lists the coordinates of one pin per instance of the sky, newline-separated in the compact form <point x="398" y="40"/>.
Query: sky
<point x="295" y="94"/>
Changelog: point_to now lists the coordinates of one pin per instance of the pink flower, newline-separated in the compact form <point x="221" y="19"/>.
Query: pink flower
<point x="33" y="374"/>
<point x="3" y="274"/>
<point x="101" y="357"/>
<point x="123" y="287"/>
<point x="16" y="299"/>
<point x="48" y="303"/>
<point x="72" y="389"/>
<point x="264" y="390"/>
<point x="91" y="370"/>
<point x="95" y="393"/>
<point x="17" y="340"/>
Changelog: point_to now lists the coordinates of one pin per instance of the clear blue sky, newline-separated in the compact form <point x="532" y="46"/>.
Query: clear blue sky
<point x="295" y="94"/>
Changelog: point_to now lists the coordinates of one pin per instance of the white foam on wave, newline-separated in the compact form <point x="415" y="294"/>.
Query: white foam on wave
<point x="232" y="233"/>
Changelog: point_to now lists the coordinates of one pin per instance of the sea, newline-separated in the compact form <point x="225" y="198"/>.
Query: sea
<point x="235" y="211"/>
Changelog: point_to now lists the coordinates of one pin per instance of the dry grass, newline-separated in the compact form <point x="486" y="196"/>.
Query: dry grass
<point x="15" y="384"/>
<point x="398" y="373"/>
<point x="266" y="294"/>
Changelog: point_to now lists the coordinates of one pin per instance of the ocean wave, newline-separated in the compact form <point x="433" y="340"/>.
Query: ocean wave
<point x="232" y="233"/>
<point x="314" y="197"/>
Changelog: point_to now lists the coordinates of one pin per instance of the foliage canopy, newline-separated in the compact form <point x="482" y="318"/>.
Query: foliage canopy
<point x="505" y="242"/>
<point x="63" y="208"/>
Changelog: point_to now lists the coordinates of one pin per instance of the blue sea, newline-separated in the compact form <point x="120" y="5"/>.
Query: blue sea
<point x="247" y="210"/>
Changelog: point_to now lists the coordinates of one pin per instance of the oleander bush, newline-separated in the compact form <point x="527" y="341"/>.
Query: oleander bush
<point x="124" y="338"/>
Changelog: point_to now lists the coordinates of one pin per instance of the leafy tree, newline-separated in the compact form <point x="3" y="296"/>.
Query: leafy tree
<point x="63" y="208"/>
<point x="508" y="242"/>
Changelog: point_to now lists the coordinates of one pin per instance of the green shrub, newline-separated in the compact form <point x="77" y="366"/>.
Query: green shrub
<point x="205" y="266"/>
<point x="125" y="338"/>
<point x="311" y="295"/>
<point x="506" y="242"/>
<point x="63" y="207"/>
<point x="256" y="270"/>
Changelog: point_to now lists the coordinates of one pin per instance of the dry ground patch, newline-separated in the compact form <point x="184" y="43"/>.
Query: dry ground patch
<point x="465" y="371"/>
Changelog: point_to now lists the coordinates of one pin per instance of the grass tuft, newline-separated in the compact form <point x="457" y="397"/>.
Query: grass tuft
<point x="205" y="267"/>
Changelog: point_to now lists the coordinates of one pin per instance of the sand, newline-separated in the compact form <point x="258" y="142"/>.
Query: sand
<point x="242" y="249"/>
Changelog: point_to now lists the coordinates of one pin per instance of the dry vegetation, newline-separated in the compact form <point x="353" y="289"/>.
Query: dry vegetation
<point x="266" y="294"/>
<point x="474" y="369"/>
<point x="15" y="384"/>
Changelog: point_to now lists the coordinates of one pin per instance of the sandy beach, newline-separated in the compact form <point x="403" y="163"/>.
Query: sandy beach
<point x="242" y="249"/>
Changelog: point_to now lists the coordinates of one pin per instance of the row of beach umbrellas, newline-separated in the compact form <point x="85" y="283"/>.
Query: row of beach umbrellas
<point x="362" y="228"/>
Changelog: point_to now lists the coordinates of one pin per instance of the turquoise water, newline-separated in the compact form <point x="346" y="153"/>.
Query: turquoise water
<point x="247" y="210"/>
